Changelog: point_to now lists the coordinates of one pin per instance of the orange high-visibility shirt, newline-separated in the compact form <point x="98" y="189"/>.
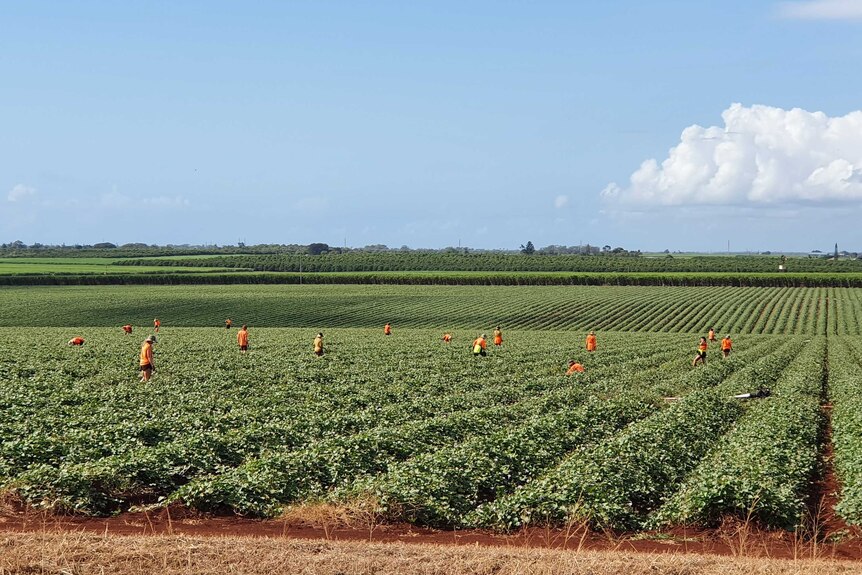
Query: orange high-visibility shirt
<point x="318" y="344"/>
<point x="711" y="335"/>
<point x="447" y="337"/>
<point x="726" y="343"/>
<point x="78" y="341"/>
<point x="146" y="353"/>
<point x="591" y="343"/>
<point x="702" y="347"/>
<point x="480" y="341"/>
<point x="575" y="367"/>
<point x="387" y="329"/>
<point x="498" y="337"/>
<point x="242" y="337"/>
<point x="127" y="328"/>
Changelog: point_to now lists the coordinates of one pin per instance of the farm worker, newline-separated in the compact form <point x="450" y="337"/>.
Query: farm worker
<point x="701" y="352"/>
<point x="156" y="325"/>
<point x="227" y="323"/>
<point x="387" y="329"/>
<point x="146" y="358"/>
<point x="242" y="338"/>
<point x="591" y="341"/>
<point x="498" y="336"/>
<point x="447" y="337"/>
<point x="574" y="367"/>
<point x="711" y="335"/>
<point x="318" y="344"/>
<point x="76" y="341"/>
<point x="127" y="329"/>
<point x="479" y="345"/>
<point x="726" y="346"/>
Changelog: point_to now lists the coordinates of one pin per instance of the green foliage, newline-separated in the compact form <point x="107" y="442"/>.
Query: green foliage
<point x="472" y="308"/>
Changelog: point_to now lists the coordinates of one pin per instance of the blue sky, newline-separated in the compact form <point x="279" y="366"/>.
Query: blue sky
<point x="429" y="124"/>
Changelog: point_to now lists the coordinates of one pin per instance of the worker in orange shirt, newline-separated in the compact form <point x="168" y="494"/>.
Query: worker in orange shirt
<point x="480" y="345"/>
<point x="726" y="346"/>
<point x="242" y="338"/>
<point x="156" y="325"/>
<point x="387" y="329"/>
<point x="701" y="352"/>
<point x="227" y="323"/>
<point x="574" y="367"/>
<point x="711" y="335"/>
<point x="78" y="341"/>
<point x="498" y="336"/>
<point x="447" y="337"/>
<point x="591" y="341"/>
<point x="127" y="328"/>
<point x="146" y="359"/>
<point x="318" y="344"/>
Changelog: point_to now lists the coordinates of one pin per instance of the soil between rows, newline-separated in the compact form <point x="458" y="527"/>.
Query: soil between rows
<point x="835" y="539"/>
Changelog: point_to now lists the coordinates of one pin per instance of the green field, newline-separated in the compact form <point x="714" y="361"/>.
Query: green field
<point x="422" y="430"/>
<point x="89" y="266"/>
<point x="623" y="308"/>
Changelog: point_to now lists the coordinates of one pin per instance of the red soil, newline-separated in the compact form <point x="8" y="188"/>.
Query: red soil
<point x="730" y="539"/>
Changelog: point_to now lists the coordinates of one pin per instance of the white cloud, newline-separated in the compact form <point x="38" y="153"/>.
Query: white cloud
<point x="822" y="10"/>
<point x="762" y="155"/>
<point x="20" y="192"/>
<point x="561" y="201"/>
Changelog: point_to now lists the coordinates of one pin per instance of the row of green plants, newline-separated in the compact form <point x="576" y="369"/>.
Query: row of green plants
<point x="445" y="488"/>
<point x="412" y="261"/>
<point x="81" y="434"/>
<point x="619" y="483"/>
<point x="443" y="278"/>
<point x="762" y="470"/>
<point x="845" y="394"/>
<point x="465" y="309"/>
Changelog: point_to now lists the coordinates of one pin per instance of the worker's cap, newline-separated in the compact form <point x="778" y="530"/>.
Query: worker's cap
<point x="151" y="338"/>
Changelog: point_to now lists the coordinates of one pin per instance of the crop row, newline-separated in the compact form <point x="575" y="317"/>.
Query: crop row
<point x="620" y="482"/>
<point x="845" y="393"/>
<point x="788" y="311"/>
<point x="80" y="432"/>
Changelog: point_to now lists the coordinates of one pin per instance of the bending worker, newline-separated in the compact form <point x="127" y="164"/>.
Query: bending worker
<point x="76" y="341"/>
<point x="574" y="367"/>
<point x="479" y="345"/>
<point x="127" y="329"/>
<point x="447" y="337"/>
<point x="387" y="329"/>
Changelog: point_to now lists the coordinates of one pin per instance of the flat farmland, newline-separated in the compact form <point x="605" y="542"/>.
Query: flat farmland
<point x="423" y="432"/>
<point x="750" y="310"/>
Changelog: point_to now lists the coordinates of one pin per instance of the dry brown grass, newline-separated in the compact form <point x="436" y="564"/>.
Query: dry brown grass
<point x="85" y="554"/>
<point x="358" y="513"/>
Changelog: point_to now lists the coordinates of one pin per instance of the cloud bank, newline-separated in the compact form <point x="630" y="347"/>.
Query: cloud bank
<point x="822" y="10"/>
<point x="761" y="156"/>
